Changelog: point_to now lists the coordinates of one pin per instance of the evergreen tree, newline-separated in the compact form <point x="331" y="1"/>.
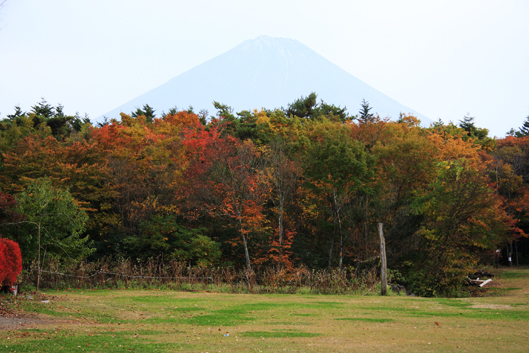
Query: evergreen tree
<point x="78" y="122"/>
<point x="203" y="116"/>
<point x="18" y="112"/>
<point x="524" y="129"/>
<point x="438" y="123"/>
<point x="332" y="112"/>
<point x="43" y="110"/>
<point x="224" y="110"/>
<point x="147" y="111"/>
<point x="468" y="125"/>
<point x="105" y="122"/>
<point x="61" y="125"/>
<point x="364" y="113"/>
<point x="303" y="107"/>
<point x="309" y="108"/>
<point x="511" y="132"/>
<point x="172" y="111"/>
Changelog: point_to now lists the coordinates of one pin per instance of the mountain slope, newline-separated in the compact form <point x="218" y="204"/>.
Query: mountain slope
<point x="265" y="73"/>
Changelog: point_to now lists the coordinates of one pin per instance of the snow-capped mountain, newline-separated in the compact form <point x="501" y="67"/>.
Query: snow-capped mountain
<point x="267" y="73"/>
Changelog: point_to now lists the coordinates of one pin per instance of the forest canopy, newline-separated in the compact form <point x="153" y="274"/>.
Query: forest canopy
<point x="303" y="186"/>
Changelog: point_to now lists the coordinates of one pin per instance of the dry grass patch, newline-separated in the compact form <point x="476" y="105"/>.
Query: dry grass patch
<point x="169" y="321"/>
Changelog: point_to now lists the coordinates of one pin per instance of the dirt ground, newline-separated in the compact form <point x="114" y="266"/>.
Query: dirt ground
<point x="12" y="319"/>
<point x="19" y="322"/>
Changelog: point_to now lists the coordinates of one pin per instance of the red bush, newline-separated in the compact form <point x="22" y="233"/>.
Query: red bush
<point x="10" y="262"/>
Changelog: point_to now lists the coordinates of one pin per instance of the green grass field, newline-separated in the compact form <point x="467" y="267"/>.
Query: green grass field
<point x="169" y="321"/>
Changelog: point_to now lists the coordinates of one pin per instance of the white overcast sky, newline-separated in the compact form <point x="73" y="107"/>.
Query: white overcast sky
<point x="444" y="59"/>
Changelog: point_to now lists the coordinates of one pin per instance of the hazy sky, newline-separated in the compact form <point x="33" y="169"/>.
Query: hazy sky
<point x="441" y="58"/>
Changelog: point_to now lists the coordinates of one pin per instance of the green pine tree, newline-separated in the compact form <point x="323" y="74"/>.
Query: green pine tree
<point x="524" y="129"/>
<point x="364" y="114"/>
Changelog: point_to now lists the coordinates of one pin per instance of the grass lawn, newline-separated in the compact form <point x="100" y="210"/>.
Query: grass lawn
<point x="170" y="321"/>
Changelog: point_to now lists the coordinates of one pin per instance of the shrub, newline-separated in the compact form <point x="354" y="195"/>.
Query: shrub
<point x="10" y="262"/>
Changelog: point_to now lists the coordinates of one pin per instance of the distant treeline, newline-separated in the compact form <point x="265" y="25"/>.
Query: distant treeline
<point x="298" y="187"/>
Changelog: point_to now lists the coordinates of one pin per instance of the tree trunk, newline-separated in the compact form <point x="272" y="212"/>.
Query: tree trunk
<point x="246" y="253"/>
<point x="245" y="244"/>
<point x="38" y="260"/>
<point x="494" y="259"/>
<point x="384" y="285"/>
<point x="331" y="248"/>
<point x="281" y="233"/>
<point x="516" y="248"/>
<point x="496" y="256"/>
<point x="333" y="235"/>
<point x="339" y="229"/>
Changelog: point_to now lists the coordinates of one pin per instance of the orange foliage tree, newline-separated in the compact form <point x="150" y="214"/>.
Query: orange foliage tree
<point x="225" y="180"/>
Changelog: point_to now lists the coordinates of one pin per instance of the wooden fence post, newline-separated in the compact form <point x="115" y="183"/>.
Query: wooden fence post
<point x="384" y="285"/>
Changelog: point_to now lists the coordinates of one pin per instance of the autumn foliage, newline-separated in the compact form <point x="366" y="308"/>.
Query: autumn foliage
<point x="281" y="189"/>
<point x="10" y="262"/>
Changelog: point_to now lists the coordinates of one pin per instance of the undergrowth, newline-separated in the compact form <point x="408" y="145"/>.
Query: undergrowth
<point x="172" y="275"/>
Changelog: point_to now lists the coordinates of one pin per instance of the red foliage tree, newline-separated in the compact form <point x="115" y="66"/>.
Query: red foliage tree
<point x="226" y="181"/>
<point x="10" y="256"/>
<point x="10" y="262"/>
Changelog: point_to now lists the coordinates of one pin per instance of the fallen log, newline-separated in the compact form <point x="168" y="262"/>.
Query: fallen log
<point x="485" y="282"/>
<point x="478" y="282"/>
